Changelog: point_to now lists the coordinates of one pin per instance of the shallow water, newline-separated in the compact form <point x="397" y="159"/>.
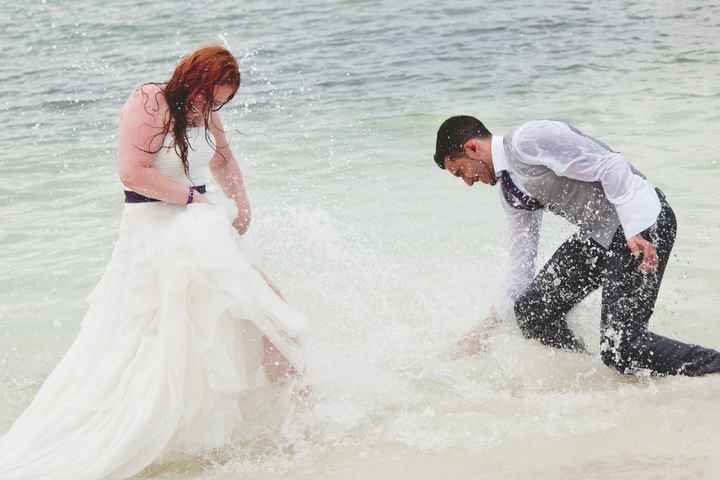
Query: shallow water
<point x="389" y="257"/>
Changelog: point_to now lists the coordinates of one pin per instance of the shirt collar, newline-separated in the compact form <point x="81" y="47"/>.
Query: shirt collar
<point x="497" y="150"/>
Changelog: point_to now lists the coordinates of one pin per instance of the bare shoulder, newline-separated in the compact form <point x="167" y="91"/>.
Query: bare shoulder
<point x="146" y="103"/>
<point x="216" y="127"/>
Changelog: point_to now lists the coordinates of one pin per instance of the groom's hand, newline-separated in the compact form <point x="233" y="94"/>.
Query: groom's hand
<point x="639" y="247"/>
<point x="474" y="341"/>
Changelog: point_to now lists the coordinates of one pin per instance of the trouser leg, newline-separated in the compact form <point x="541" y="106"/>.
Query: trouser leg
<point x="627" y="304"/>
<point x="572" y="273"/>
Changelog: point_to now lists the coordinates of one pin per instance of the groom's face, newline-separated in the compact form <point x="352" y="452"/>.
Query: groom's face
<point x="473" y="164"/>
<point x="463" y="167"/>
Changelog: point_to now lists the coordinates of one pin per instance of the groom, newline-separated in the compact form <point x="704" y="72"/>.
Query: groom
<point x="626" y="231"/>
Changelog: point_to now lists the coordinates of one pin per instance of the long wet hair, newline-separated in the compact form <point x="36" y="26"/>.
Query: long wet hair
<point x="195" y="76"/>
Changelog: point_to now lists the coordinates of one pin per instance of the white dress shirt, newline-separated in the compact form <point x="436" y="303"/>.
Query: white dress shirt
<point x="568" y="154"/>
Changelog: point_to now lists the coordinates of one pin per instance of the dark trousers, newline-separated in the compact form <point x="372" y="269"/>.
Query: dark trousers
<point x="579" y="267"/>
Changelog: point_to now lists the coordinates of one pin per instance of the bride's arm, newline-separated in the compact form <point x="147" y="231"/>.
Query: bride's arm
<point x="226" y="171"/>
<point x="141" y="124"/>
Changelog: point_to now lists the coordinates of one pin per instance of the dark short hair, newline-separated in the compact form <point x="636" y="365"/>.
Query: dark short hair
<point x="453" y="133"/>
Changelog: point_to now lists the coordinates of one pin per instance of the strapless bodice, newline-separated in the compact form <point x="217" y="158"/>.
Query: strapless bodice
<point x="168" y="162"/>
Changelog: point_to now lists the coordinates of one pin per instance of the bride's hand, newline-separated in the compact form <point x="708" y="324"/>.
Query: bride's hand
<point x="200" y="198"/>
<point x="241" y="222"/>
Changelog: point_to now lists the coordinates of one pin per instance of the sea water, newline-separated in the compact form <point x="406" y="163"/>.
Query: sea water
<point x="390" y="258"/>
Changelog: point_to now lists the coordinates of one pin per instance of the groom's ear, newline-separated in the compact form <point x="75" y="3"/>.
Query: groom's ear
<point x="471" y="146"/>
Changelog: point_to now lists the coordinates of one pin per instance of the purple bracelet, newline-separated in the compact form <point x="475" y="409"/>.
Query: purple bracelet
<point x="191" y="194"/>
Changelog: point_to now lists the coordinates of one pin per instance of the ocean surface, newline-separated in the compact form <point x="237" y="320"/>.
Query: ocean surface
<point x="391" y="258"/>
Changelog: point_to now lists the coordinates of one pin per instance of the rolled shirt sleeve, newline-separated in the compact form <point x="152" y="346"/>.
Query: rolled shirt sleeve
<point x="571" y="154"/>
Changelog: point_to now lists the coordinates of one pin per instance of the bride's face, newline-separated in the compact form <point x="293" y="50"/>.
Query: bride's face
<point x="200" y="105"/>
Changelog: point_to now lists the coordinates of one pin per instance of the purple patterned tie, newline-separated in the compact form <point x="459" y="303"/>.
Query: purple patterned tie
<point x="516" y="197"/>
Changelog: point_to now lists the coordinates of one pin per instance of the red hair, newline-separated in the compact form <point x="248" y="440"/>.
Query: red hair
<point x="196" y="76"/>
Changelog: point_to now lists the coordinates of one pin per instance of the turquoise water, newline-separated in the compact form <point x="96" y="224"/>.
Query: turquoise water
<point x="390" y="257"/>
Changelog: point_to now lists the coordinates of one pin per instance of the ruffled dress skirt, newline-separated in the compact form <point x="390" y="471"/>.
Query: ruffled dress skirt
<point x="171" y="340"/>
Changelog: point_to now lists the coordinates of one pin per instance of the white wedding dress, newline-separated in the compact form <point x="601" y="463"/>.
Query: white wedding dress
<point x="172" y="337"/>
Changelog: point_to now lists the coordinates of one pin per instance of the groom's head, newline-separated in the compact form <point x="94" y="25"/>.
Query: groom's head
<point x="463" y="148"/>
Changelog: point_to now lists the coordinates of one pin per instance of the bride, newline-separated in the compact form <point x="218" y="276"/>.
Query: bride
<point x="181" y="322"/>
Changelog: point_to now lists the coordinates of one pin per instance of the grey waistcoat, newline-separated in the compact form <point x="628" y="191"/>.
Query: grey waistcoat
<point x="581" y="203"/>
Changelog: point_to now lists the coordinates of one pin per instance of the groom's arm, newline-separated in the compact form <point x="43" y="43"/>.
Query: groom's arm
<point x="524" y="234"/>
<point x="523" y="238"/>
<point x="570" y="154"/>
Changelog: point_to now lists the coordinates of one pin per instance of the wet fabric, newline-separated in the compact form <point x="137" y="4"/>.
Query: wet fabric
<point x="171" y="342"/>
<point x="578" y="178"/>
<point x="579" y="267"/>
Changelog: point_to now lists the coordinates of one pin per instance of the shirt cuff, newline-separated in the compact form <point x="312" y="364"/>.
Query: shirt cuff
<point x="641" y="210"/>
